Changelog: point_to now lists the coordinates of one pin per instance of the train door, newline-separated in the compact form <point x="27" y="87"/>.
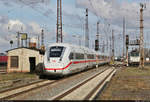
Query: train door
<point x="74" y="65"/>
<point x="72" y="58"/>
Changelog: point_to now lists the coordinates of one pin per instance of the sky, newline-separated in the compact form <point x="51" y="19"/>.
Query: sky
<point x="30" y="16"/>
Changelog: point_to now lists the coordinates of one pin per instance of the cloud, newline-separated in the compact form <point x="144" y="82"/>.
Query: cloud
<point x="114" y="11"/>
<point x="24" y="2"/>
<point x="37" y="5"/>
<point x="14" y="25"/>
<point x="34" y="28"/>
<point x="3" y="41"/>
<point x="10" y="27"/>
<point x="3" y="19"/>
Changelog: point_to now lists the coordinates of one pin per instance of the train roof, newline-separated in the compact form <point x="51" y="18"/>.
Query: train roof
<point x="78" y="47"/>
<point x="71" y="45"/>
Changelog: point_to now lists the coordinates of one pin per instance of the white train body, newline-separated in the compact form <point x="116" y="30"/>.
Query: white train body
<point x="63" y="59"/>
<point x="134" y="57"/>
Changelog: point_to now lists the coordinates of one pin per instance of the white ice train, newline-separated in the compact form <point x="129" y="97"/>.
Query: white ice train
<point x="62" y="59"/>
<point x="134" y="57"/>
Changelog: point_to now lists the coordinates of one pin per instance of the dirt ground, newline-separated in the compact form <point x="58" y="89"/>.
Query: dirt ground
<point x="129" y="83"/>
<point x="15" y="76"/>
<point x="16" y="79"/>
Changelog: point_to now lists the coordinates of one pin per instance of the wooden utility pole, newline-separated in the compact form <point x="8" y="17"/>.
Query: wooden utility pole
<point x="141" y="37"/>
<point x="59" y="36"/>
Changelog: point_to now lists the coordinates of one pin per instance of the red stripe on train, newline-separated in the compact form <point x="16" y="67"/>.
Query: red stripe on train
<point x="75" y="62"/>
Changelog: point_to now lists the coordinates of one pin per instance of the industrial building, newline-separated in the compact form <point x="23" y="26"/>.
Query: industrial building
<point x="23" y="59"/>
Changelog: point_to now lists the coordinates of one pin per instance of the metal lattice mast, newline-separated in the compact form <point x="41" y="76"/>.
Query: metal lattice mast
<point x="97" y="31"/>
<point x="113" y="45"/>
<point x="97" y="35"/>
<point x="141" y="37"/>
<point x="59" y="37"/>
<point x="86" y="30"/>
<point x="110" y="42"/>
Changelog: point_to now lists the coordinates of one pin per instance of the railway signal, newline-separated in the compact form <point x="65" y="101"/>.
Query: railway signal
<point x="127" y="39"/>
<point x="96" y="45"/>
<point x="97" y="38"/>
<point x="11" y="43"/>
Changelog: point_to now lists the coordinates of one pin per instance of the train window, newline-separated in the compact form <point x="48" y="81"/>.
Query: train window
<point x="71" y="56"/>
<point x="63" y="51"/>
<point x="94" y="56"/>
<point x="134" y="54"/>
<point x="99" y="57"/>
<point x="79" y="56"/>
<point x="102" y="57"/>
<point x="56" y="51"/>
<point x="90" y="56"/>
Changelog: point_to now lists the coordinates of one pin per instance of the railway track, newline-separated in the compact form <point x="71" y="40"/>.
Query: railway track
<point x="17" y="91"/>
<point x="3" y="72"/>
<point x="14" y="92"/>
<point x="88" y="88"/>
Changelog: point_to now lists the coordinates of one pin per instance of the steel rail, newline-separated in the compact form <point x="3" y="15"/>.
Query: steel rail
<point x="3" y="96"/>
<point x="70" y="90"/>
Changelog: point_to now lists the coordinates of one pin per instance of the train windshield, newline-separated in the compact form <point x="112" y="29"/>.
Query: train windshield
<point x="56" y="51"/>
<point x="134" y="54"/>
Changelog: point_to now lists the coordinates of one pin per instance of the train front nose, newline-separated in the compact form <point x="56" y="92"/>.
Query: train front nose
<point x="54" y="70"/>
<point x="54" y="62"/>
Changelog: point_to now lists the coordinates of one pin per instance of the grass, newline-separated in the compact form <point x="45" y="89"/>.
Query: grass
<point x="15" y="76"/>
<point x="130" y="83"/>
